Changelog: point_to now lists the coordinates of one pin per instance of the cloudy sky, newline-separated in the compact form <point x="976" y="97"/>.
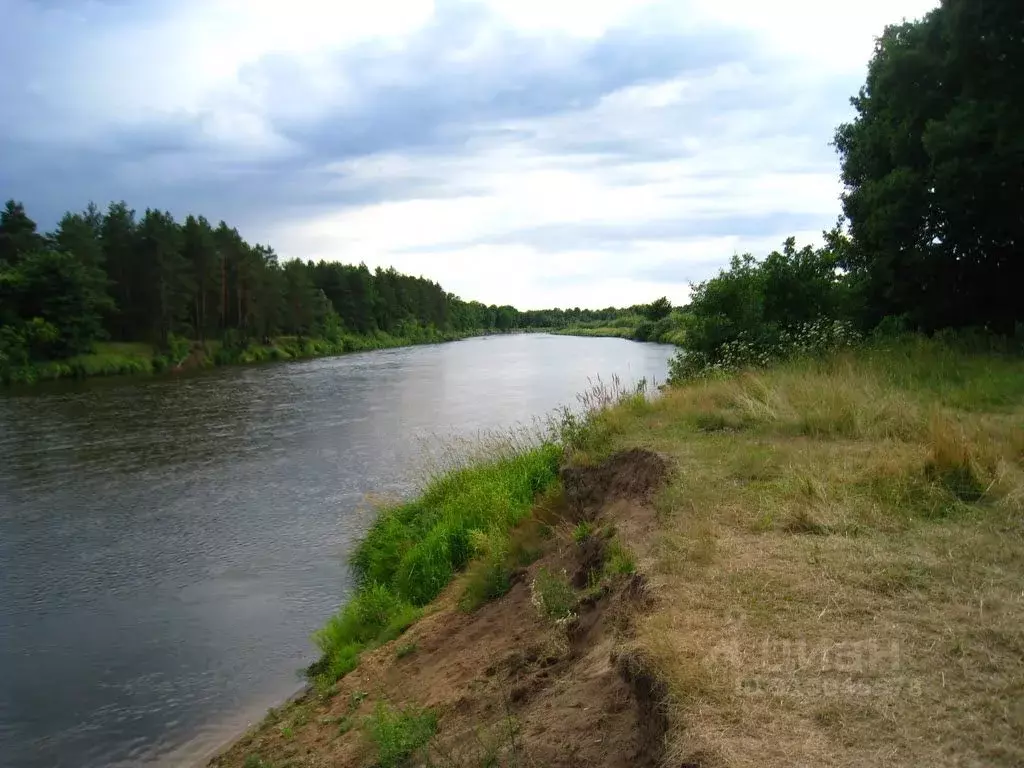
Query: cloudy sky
<point x="533" y="152"/>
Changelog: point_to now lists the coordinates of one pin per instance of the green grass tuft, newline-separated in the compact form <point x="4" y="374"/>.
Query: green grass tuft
<point x="552" y="595"/>
<point x="373" y="617"/>
<point x="400" y="734"/>
<point x="619" y="560"/>
<point x="582" y="532"/>
<point x="413" y="550"/>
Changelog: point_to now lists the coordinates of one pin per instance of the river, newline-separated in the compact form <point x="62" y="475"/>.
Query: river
<point x="168" y="545"/>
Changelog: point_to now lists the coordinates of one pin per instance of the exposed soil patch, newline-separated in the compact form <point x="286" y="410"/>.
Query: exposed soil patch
<point x="589" y="558"/>
<point x="634" y="474"/>
<point x="509" y="686"/>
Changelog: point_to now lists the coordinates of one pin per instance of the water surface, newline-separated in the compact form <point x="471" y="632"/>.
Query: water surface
<point x="168" y="545"/>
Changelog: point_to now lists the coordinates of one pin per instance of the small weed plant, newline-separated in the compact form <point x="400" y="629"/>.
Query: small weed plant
<point x="553" y="596"/>
<point x="582" y="532"/>
<point x="619" y="560"/>
<point x="406" y="649"/>
<point x="400" y="734"/>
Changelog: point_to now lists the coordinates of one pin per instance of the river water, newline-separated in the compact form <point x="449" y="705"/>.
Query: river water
<point x="167" y="546"/>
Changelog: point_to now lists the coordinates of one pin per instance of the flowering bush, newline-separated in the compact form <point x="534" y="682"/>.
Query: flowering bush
<point x="746" y="351"/>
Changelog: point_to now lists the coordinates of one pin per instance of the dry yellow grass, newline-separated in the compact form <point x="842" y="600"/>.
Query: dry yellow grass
<point x="840" y="562"/>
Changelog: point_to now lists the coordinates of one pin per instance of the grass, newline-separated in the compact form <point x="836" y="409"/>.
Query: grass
<point x="598" y="332"/>
<point x="582" y="531"/>
<point x="839" y="559"/>
<point x="413" y="550"/>
<point x="141" y="359"/>
<point x="552" y="595"/>
<point x="399" y="734"/>
<point x="619" y="561"/>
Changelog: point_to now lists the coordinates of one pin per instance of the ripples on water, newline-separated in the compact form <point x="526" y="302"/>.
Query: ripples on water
<point x="167" y="546"/>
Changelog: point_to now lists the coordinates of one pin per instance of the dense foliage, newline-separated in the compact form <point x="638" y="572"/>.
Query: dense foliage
<point x="934" y="169"/>
<point x="610" y="317"/>
<point x="119" y="276"/>
<point x="933" y="164"/>
<point x="793" y="300"/>
<point x="658" y="321"/>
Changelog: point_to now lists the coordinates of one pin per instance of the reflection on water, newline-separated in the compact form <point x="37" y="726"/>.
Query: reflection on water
<point x="167" y="546"/>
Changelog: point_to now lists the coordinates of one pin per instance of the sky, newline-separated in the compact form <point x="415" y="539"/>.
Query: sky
<point x="530" y="152"/>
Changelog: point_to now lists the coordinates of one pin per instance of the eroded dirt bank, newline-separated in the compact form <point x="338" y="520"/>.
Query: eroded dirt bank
<point x="509" y="683"/>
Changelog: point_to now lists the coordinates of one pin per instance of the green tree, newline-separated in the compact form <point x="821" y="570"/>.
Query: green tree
<point x="18" y="235"/>
<point x="200" y="253"/>
<point x="933" y="165"/>
<point x="657" y="310"/>
<point x="58" y="288"/>
<point x="119" y="243"/>
<point x="167" y="284"/>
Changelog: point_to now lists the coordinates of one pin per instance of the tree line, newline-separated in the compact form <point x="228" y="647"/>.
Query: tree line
<point x="119" y="276"/>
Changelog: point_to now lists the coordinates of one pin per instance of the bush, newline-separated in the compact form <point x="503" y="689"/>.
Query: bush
<point x="757" y="312"/>
<point x="746" y="351"/>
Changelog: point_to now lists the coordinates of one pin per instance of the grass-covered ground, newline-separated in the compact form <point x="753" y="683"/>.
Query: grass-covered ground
<point x="413" y="550"/>
<point x="840" y="560"/>
<point x="598" y="331"/>
<point x="132" y="359"/>
<point x="832" y="575"/>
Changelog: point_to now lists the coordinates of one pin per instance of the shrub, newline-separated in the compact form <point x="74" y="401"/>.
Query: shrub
<point x="746" y="351"/>
<point x="757" y="312"/>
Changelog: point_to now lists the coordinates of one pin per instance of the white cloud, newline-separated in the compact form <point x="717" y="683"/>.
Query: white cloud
<point x="467" y="242"/>
<point x="834" y="36"/>
<point x="583" y="18"/>
<point x="533" y="152"/>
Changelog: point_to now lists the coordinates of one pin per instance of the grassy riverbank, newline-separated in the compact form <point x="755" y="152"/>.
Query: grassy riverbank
<point x="140" y="359"/>
<point x="667" y="330"/>
<point x="820" y="563"/>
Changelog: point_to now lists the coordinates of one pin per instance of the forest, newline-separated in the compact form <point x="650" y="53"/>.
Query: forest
<point x="114" y="276"/>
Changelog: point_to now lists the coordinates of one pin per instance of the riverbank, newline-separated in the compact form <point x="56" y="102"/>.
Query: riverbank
<point x="817" y="564"/>
<point x="141" y="359"/>
<point x="667" y="330"/>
